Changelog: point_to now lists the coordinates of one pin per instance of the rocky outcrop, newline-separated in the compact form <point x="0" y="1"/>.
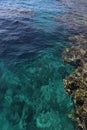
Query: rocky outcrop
<point x="76" y="83"/>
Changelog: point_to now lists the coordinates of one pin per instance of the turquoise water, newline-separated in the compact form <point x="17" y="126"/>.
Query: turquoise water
<point x="32" y="70"/>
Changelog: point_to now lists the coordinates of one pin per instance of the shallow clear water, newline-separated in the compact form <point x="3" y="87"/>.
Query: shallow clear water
<point x="32" y="39"/>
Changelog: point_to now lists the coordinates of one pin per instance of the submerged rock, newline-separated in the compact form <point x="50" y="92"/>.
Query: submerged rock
<point x="76" y="83"/>
<point x="75" y="19"/>
<point x="77" y="54"/>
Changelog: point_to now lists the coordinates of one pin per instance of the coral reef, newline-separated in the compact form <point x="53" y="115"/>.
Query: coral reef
<point x="76" y="83"/>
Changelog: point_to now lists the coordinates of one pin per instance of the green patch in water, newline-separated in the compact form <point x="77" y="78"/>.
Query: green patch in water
<point x="34" y="97"/>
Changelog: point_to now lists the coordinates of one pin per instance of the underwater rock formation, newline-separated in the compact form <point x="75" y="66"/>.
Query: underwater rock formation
<point x="72" y="21"/>
<point x="77" y="54"/>
<point x="76" y="83"/>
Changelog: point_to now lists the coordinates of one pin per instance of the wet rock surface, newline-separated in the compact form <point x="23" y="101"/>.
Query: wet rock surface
<point x="76" y="83"/>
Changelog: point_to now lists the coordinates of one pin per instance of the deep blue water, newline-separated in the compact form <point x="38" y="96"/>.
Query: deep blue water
<point x="32" y="70"/>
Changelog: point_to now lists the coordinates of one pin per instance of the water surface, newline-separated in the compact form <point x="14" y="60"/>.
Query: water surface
<point x="33" y="35"/>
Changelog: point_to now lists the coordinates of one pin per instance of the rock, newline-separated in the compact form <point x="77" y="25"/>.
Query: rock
<point x="76" y="83"/>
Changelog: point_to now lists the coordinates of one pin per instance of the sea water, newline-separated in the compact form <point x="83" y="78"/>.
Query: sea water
<point x="32" y="70"/>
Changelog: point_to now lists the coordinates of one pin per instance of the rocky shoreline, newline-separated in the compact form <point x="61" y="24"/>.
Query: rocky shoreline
<point x="76" y="83"/>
